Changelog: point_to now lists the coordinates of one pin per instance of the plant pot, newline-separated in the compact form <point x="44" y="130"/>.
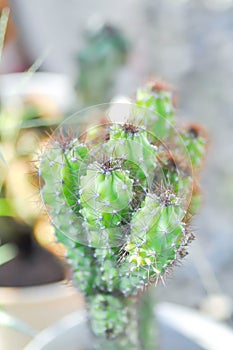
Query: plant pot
<point x="37" y="306"/>
<point x="34" y="293"/>
<point x="180" y="328"/>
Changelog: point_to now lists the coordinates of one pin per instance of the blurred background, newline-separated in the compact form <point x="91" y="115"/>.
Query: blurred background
<point x="67" y="55"/>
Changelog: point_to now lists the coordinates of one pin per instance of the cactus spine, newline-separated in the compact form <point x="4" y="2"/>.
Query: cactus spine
<point x="122" y="206"/>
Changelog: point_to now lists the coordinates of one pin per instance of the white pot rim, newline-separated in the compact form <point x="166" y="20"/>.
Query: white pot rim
<point x="204" y="331"/>
<point x="36" y="294"/>
<point x="200" y="329"/>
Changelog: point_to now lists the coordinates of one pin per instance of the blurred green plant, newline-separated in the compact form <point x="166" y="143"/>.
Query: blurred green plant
<point x="21" y="123"/>
<point x="7" y="251"/>
<point x="18" y="145"/>
<point x="104" y="52"/>
<point x="121" y="203"/>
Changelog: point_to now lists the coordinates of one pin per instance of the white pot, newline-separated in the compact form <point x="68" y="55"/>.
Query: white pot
<point x="38" y="307"/>
<point x="180" y="329"/>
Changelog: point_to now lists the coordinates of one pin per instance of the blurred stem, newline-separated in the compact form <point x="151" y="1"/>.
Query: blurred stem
<point x="3" y="25"/>
<point x="3" y="169"/>
<point x="40" y="122"/>
<point x="140" y="332"/>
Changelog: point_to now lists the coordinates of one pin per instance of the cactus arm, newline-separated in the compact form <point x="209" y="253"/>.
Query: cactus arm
<point x="195" y="143"/>
<point x="159" y="99"/>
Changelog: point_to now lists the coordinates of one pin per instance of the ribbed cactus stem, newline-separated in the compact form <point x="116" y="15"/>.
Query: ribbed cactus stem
<point x="121" y="203"/>
<point x="128" y="323"/>
<point x="159" y="98"/>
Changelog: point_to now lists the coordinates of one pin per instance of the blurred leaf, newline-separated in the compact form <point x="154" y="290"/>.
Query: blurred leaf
<point x="2" y="159"/>
<point x="3" y="169"/>
<point x="40" y="122"/>
<point x="6" y="208"/>
<point x="10" y="122"/>
<point x="3" y="25"/>
<point x="7" y="252"/>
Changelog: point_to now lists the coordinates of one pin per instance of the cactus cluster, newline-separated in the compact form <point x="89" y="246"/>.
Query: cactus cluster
<point x="121" y="202"/>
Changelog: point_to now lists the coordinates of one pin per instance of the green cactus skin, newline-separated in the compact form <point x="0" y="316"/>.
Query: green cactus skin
<point x="195" y="143"/>
<point x="122" y="209"/>
<point x="136" y="313"/>
<point x="158" y="97"/>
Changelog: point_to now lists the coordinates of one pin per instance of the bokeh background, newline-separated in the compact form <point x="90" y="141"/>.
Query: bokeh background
<point x="188" y="43"/>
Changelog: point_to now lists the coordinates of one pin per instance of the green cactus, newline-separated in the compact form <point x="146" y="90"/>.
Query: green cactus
<point x="158" y="97"/>
<point x="104" y="52"/>
<point x="122" y="207"/>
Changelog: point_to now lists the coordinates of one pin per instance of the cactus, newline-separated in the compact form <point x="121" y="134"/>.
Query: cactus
<point x="121" y="203"/>
<point x="104" y="52"/>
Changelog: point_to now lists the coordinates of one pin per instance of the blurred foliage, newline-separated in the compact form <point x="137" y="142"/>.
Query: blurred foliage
<point x="104" y="52"/>
<point x="23" y="124"/>
<point x="3" y="167"/>
<point x="7" y="252"/>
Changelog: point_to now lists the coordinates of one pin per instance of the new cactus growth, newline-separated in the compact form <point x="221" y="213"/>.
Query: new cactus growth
<point x="121" y="203"/>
